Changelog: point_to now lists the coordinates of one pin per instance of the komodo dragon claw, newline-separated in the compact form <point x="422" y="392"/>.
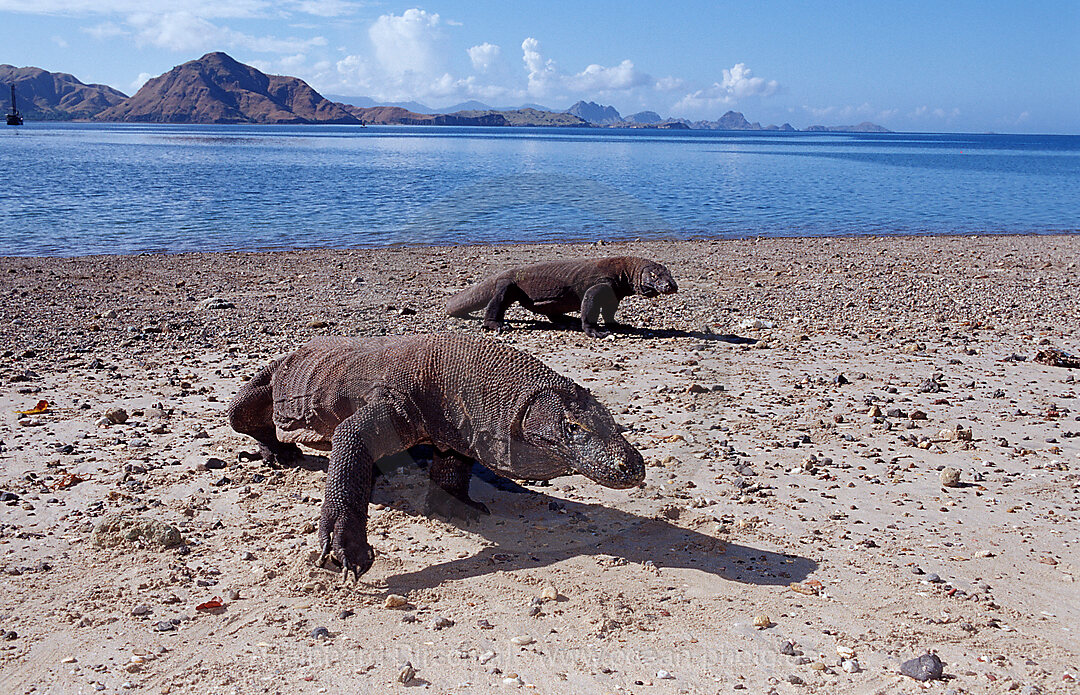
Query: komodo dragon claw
<point x="343" y="537"/>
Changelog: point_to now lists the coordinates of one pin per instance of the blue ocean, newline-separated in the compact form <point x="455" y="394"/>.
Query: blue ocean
<point x="77" y="189"/>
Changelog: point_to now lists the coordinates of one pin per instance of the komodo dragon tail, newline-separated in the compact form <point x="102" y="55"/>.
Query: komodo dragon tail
<point x="469" y="300"/>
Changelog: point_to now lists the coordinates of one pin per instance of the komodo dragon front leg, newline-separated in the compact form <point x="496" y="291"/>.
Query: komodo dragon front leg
<point x="451" y="473"/>
<point x="379" y="427"/>
<point x="599" y="299"/>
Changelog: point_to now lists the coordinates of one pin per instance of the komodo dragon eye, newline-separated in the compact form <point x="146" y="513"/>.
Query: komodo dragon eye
<point x="572" y="427"/>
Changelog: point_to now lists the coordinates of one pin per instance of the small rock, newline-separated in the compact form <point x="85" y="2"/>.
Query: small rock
<point x="950" y="477"/>
<point x="850" y="665"/>
<point x="115" y="529"/>
<point x="522" y="640"/>
<point x="140" y="610"/>
<point x="549" y="593"/>
<point x="762" y="621"/>
<point x="795" y="680"/>
<point x="164" y="626"/>
<point x="395" y="601"/>
<point x="924" y="668"/>
<point x="406" y="673"/>
<point x="232" y="595"/>
<point x="486" y="657"/>
<point x="215" y="464"/>
<point x="116" y="416"/>
<point x="441" y="622"/>
<point x="664" y="675"/>
<point x="320" y="633"/>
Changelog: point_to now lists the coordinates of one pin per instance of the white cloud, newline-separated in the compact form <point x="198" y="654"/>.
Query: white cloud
<point x="740" y="82"/>
<point x="405" y="43"/>
<point x="183" y="31"/>
<point x="139" y="81"/>
<point x="599" y="78"/>
<point x="483" y="56"/>
<point x="542" y="73"/>
<point x="60" y="41"/>
<point x="736" y="83"/>
<point x="105" y="30"/>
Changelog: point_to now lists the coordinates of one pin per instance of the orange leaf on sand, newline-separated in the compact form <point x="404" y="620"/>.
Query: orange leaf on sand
<point x="41" y="407"/>
<point x="69" y="480"/>
<point x="212" y="606"/>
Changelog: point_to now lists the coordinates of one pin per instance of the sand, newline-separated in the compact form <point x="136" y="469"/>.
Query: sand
<point x="793" y="516"/>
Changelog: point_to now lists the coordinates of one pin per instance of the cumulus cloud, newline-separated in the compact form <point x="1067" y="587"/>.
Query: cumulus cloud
<point x="542" y="73"/>
<point x="483" y="56"/>
<point x="406" y="43"/>
<point x="105" y="30"/>
<point x="603" y="79"/>
<point x="736" y="83"/>
<point x="837" y="115"/>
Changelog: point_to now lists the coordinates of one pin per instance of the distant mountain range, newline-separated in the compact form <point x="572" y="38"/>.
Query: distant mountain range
<point x="218" y="89"/>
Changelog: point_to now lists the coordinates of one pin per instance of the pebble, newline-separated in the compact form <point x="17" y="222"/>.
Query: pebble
<point x="850" y="665"/>
<point x="522" y="640"/>
<point x="950" y="477"/>
<point x="140" y="610"/>
<point x="164" y="626"/>
<point x="232" y="594"/>
<point x="395" y="601"/>
<point x="762" y="621"/>
<point x="116" y="416"/>
<point x="664" y="675"/>
<point x="406" y="673"/>
<point x="118" y="528"/>
<point x="549" y="593"/>
<point x="441" y="622"/>
<point x="924" y="668"/>
<point x="320" y="633"/>
<point x="486" y="657"/>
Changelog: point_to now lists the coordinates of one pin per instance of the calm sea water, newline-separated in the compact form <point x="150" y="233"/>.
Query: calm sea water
<point x="74" y="189"/>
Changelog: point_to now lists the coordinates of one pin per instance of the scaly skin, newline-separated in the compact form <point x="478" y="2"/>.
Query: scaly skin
<point x="593" y="286"/>
<point x="472" y="399"/>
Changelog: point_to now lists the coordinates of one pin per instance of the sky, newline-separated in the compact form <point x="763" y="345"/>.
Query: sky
<point x="914" y="65"/>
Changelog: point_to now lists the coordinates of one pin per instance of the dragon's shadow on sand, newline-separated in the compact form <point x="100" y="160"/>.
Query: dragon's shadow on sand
<point x="622" y="329"/>
<point x="569" y="529"/>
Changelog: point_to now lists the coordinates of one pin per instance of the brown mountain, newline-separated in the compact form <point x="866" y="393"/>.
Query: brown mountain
<point x="218" y="89"/>
<point x="55" y="96"/>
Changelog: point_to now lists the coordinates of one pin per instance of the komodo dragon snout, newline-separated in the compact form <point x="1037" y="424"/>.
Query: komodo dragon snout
<point x="581" y="437"/>
<point x="655" y="280"/>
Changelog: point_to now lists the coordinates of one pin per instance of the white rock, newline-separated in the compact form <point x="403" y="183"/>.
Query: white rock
<point x="522" y="640"/>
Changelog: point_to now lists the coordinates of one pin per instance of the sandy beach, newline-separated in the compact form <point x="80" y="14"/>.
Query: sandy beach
<point x="796" y="403"/>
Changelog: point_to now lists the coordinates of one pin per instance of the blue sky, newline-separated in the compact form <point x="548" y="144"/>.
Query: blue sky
<point x="916" y="66"/>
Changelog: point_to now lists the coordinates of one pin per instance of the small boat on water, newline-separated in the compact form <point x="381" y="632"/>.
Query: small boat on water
<point x="13" y="117"/>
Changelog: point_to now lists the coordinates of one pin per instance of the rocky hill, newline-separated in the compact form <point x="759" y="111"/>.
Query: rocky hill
<point x="644" y="117"/>
<point x="530" y="117"/>
<point x="595" y="113"/>
<point x="218" y="89"/>
<point x="55" y="96"/>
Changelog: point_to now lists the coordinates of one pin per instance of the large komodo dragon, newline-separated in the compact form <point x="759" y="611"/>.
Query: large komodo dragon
<point x="471" y="398"/>
<point x="593" y="286"/>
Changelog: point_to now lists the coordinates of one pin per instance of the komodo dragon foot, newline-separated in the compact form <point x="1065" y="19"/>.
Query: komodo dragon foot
<point x="444" y="504"/>
<point x="280" y="454"/>
<point x="343" y="537"/>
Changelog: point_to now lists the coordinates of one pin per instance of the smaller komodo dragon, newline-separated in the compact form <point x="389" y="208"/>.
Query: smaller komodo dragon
<point x="468" y="397"/>
<point x="593" y="286"/>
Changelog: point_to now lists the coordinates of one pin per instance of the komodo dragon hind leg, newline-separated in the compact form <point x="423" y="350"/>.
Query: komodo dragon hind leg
<point x="251" y="412"/>
<point x="448" y="495"/>
<point x="506" y="293"/>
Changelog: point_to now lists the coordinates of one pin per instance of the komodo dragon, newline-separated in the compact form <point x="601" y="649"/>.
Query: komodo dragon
<point x="593" y="286"/>
<point x="471" y="398"/>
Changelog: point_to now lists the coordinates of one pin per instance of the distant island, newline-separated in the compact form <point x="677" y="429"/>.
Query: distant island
<point x="219" y="89"/>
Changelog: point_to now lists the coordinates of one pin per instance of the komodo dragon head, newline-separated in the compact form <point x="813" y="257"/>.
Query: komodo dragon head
<point x="569" y="431"/>
<point x="654" y="279"/>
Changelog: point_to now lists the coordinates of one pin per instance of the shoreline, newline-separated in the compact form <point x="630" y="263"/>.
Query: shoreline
<point x="570" y="242"/>
<point x="782" y="504"/>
